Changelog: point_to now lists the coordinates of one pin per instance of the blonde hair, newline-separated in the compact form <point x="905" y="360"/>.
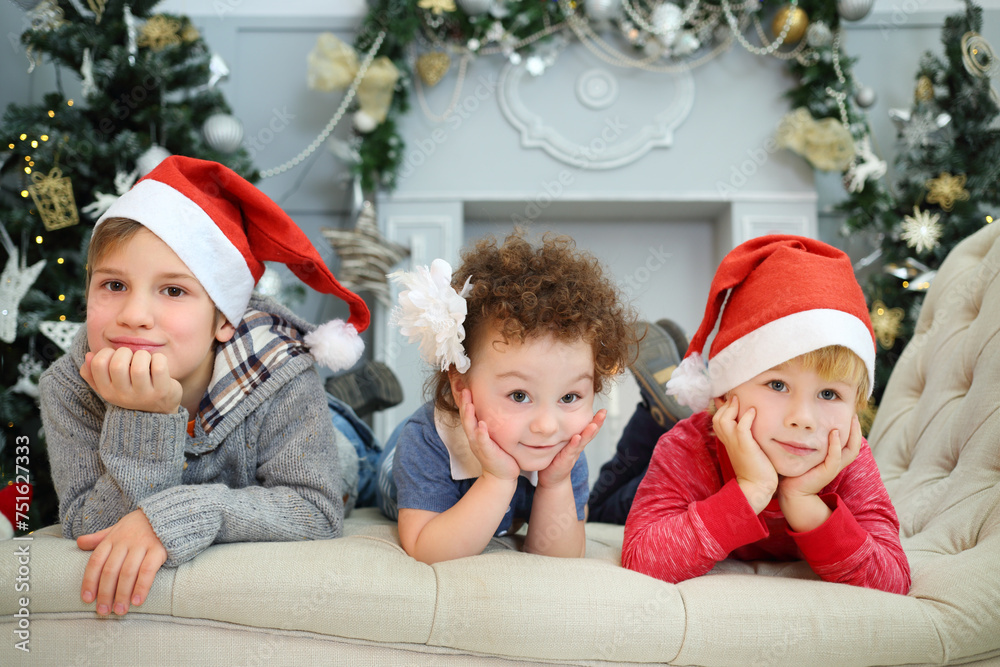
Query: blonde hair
<point x="836" y="363"/>
<point x="108" y="237"/>
<point x="833" y="363"/>
<point x="111" y="236"/>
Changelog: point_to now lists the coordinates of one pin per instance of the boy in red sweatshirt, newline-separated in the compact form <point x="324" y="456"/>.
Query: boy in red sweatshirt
<point x="772" y="465"/>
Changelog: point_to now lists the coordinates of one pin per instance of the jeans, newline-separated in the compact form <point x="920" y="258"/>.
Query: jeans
<point x="361" y="436"/>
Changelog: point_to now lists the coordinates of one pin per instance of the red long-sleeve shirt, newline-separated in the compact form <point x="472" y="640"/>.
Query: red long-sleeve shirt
<point x="690" y="513"/>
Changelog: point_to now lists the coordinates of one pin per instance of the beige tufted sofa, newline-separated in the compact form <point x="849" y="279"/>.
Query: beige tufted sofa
<point x="360" y="600"/>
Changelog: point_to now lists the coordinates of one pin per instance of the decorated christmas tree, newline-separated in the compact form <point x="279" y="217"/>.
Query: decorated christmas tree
<point x="147" y="89"/>
<point x="946" y="185"/>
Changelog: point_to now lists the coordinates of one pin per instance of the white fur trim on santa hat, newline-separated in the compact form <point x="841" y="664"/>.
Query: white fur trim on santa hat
<point x="335" y="345"/>
<point x="195" y="238"/>
<point x="788" y="337"/>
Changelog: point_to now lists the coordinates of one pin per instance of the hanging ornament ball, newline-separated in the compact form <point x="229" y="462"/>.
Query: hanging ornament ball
<point x="865" y="96"/>
<point x="925" y="89"/>
<point x="797" y="24"/>
<point x="153" y="156"/>
<point x="475" y="7"/>
<point x="818" y="35"/>
<point x="602" y="10"/>
<point x="364" y="122"/>
<point x="667" y="18"/>
<point x="854" y="10"/>
<point x="223" y="132"/>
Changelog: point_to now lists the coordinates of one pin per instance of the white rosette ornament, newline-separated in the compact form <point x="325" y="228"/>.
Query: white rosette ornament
<point x="431" y="313"/>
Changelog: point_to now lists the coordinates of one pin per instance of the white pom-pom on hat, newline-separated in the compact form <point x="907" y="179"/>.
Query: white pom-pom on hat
<point x="335" y="344"/>
<point x="690" y="384"/>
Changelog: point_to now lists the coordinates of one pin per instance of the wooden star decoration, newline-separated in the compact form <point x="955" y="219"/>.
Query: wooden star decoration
<point x="886" y="323"/>
<point x="946" y="189"/>
<point x="160" y="32"/>
<point x="437" y="6"/>
<point x="365" y="256"/>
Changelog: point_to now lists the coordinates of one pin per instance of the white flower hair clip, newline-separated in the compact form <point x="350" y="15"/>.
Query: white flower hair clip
<point x="430" y="312"/>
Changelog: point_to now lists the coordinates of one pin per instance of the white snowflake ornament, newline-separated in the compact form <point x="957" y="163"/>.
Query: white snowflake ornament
<point x="922" y="230"/>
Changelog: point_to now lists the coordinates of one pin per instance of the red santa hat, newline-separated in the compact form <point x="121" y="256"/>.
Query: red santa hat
<point x="224" y="229"/>
<point x="773" y="298"/>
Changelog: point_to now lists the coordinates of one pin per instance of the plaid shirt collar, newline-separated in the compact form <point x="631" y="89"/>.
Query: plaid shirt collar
<point x="263" y="342"/>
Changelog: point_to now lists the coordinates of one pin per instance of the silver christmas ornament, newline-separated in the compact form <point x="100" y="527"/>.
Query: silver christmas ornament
<point x="818" y="35"/>
<point x="865" y="97"/>
<point x="475" y="7"/>
<point x="223" y="132"/>
<point x="153" y="156"/>
<point x="667" y="18"/>
<point x="854" y="10"/>
<point x="602" y="10"/>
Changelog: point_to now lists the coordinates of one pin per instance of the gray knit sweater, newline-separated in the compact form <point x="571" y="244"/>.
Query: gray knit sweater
<point x="262" y="465"/>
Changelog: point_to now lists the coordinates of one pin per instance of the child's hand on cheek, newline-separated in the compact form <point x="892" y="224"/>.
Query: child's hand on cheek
<point x="838" y="457"/>
<point x="134" y="381"/>
<point x="494" y="460"/>
<point x="562" y="464"/>
<point x="754" y="472"/>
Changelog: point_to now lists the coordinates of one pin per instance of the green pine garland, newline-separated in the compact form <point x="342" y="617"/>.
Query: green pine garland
<point x="404" y="21"/>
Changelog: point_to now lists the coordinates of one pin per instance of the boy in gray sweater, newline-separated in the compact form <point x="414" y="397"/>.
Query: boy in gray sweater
<point x="187" y="412"/>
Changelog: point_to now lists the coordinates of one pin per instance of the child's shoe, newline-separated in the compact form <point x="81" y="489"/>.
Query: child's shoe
<point x="661" y="347"/>
<point x="370" y="388"/>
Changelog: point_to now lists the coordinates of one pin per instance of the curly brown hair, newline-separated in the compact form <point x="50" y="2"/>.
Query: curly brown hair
<point x="525" y="291"/>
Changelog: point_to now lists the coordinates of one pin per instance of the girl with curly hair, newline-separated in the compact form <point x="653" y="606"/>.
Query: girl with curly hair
<point x="523" y="338"/>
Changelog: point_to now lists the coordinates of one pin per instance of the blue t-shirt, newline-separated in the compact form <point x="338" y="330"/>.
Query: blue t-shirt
<point x="422" y="472"/>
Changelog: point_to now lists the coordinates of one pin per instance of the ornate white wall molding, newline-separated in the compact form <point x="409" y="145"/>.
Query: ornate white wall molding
<point x="609" y="121"/>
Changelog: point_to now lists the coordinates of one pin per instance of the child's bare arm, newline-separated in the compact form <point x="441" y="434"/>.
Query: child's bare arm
<point x="464" y="529"/>
<point x="467" y="527"/>
<point x="124" y="562"/>
<point x="554" y="529"/>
